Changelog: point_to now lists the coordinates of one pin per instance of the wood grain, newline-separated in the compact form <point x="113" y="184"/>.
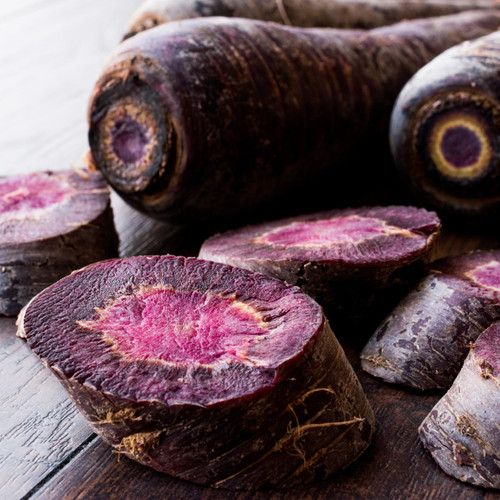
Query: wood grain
<point x="39" y="426"/>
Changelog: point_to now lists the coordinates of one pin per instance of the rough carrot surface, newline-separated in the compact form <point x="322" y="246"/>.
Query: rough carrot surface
<point x="203" y="371"/>
<point x="328" y="13"/>
<point x="50" y="224"/>
<point x="461" y="431"/>
<point x="425" y="340"/>
<point x="210" y="118"/>
<point x="445" y="129"/>
<point x="349" y="260"/>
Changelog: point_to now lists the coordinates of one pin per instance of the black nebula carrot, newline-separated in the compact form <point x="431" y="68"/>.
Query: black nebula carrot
<point x="210" y="117"/>
<point x="352" y="261"/>
<point x="425" y="340"/>
<point x="363" y="14"/>
<point x="462" y="430"/>
<point x="203" y="371"/>
<point x="51" y="223"/>
<point x="445" y="131"/>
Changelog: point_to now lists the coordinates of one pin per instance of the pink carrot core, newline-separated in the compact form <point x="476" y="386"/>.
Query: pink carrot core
<point x="24" y="194"/>
<point x="336" y="231"/>
<point x="162" y="324"/>
<point x="487" y="275"/>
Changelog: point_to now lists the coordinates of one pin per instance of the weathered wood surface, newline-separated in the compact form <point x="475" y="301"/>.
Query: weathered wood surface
<point x="52" y="53"/>
<point x="33" y="411"/>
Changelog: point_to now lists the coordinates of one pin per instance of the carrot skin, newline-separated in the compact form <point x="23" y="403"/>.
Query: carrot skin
<point x="461" y="431"/>
<point x="359" y="14"/>
<point x="444" y="132"/>
<point x="205" y="118"/>
<point x="424" y="341"/>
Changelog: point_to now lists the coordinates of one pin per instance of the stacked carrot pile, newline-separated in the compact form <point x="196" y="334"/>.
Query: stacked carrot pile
<point x="227" y="373"/>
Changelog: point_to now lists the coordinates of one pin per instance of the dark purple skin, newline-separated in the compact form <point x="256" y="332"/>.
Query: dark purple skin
<point x="353" y="281"/>
<point x="424" y="341"/>
<point x="39" y="247"/>
<point x="361" y="14"/>
<point x="460" y="92"/>
<point x="210" y="118"/>
<point x="461" y="431"/>
<point x="278" y="411"/>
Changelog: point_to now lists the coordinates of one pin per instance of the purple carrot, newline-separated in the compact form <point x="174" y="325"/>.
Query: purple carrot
<point x="351" y="261"/>
<point x="209" y="118"/>
<point x="425" y="340"/>
<point x="363" y="14"/>
<point x="50" y="224"/>
<point x="445" y="131"/>
<point x="206" y="372"/>
<point x="462" y="431"/>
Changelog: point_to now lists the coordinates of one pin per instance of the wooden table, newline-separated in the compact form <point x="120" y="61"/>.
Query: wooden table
<point x="52" y="51"/>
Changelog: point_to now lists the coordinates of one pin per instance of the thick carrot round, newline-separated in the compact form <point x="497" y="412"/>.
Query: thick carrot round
<point x="210" y="117"/>
<point x="363" y="14"/>
<point x="206" y="372"/>
<point x="51" y="223"/>
<point x="445" y="130"/>
<point x="354" y="262"/>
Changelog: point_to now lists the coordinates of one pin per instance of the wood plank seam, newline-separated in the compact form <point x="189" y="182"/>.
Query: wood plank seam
<point x="60" y="467"/>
